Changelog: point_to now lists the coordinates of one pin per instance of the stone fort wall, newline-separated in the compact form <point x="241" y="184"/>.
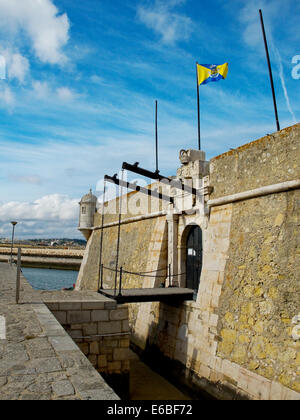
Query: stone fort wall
<point x="238" y="337"/>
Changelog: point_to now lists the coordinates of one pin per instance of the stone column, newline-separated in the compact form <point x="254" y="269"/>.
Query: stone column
<point x="172" y="220"/>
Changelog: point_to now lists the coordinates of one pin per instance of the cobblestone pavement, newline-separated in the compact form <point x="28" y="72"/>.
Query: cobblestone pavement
<point x="38" y="360"/>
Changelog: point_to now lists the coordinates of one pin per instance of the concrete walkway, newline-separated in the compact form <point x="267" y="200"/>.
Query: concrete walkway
<point x="38" y="359"/>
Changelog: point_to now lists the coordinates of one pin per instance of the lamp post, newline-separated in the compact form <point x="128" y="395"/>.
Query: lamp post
<point x="12" y="241"/>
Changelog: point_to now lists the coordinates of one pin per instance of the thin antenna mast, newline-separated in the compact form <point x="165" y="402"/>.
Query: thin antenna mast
<point x="156" y="137"/>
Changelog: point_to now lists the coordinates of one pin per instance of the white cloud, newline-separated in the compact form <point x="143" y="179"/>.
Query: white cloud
<point x="283" y="84"/>
<point x="41" y="22"/>
<point x="162" y="19"/>
<point x="44" y="91"/>
<point x="18" y="67"/>
<point x="50" y="216"/>
<point x="249" y="17"/>
<point x="28" y="179"/>
<point x="41" y="89"/>
<point x="55" y="207"/>
<point x="65" y="94"/>
<point x="98" y="80"/>
<point x="7" y="97"/>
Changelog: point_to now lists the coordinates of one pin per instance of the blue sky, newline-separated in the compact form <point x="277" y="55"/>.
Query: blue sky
<point x="82" y="79"/>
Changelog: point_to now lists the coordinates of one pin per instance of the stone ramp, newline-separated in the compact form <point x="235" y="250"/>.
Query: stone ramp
<point x="38" y="359"/>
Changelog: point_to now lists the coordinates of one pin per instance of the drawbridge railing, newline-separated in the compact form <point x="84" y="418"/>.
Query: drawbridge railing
<point x="147" y="274"/>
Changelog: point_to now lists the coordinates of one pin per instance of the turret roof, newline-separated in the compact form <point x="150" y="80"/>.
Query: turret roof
<point x="89" y="198"/>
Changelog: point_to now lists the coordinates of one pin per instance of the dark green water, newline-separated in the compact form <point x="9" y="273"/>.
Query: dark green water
<point x="45" y="279"/>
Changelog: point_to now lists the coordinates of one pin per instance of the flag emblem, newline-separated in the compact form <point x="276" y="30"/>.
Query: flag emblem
<point x="211" y="73"/>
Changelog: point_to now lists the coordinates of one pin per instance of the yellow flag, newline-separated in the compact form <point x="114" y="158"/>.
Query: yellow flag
<point x="211" y="73"/>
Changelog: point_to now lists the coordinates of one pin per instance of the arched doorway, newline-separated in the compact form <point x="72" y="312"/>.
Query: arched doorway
<point x="193" y="258"/>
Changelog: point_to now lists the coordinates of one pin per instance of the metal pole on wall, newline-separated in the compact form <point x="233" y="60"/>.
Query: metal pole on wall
<point x="12" y="241"/>
<point x="270" y="69"/>
<point x="198" y="107"/>
<point x="18" y="276"/>
<point x="120" y="283"/>
<point x="156" y="137"/>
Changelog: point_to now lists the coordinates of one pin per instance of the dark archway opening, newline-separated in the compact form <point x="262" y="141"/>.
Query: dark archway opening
<point x="194" y="251"/>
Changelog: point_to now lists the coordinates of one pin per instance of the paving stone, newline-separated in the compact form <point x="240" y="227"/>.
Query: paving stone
<point x="46" y="365"/>
<point x="63" y="388"/>
<point x="99" y="394"/>
<point x="3" y="381"/>
<point x="63" y="343"/>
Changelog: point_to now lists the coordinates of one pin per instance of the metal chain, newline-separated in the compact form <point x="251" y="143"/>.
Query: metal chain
<point x="140" y="274"/>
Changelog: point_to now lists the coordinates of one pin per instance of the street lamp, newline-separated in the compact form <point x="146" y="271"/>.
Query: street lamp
<point x="12" y="241"/>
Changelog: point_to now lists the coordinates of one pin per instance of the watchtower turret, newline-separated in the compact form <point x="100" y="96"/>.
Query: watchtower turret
<point x="87" y="211"/>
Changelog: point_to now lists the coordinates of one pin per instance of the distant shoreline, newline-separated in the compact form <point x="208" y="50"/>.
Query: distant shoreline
<point x="60" y="259"/>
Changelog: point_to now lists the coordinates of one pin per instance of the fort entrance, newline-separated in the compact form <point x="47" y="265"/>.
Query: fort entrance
<point x="193" y="258"/>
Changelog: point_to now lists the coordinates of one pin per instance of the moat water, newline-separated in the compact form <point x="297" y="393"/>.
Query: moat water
<point x="46" y="279"/>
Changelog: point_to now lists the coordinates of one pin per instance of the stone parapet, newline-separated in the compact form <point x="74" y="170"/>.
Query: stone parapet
<point x="101" y="331"/>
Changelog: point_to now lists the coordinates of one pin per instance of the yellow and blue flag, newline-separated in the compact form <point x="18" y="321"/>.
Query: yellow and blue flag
<point x="211" y="73"/>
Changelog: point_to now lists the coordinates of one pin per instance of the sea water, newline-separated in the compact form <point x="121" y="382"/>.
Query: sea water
<point x="46" y="279"/>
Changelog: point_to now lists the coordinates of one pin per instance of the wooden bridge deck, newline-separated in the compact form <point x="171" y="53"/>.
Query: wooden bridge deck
<point x="167" y="295"/>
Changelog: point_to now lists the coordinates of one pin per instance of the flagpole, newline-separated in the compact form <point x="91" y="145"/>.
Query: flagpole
<point x="156" y="137"/>
<point x="270" y="70"/>
<point x="198" y="108"/>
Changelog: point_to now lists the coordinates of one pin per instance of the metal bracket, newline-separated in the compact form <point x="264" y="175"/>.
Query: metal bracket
<point x="135" y="187"/>
<point x="175" y="183"/>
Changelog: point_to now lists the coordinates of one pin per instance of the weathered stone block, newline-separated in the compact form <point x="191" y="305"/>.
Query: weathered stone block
<point x="125" y="365"/>
<point x="93" y="359"/>
<point x="105" y="350"/>
<point x="125" y="342"/>
<point x="110" y="341"/>
<point x="102" y="361"/>
<point x="70" y="306"/>
<point x="84" y="347"/>
<point x="92" y="305"/>
<point x="99" y="315"/>
<point x="118" y="314"/>
<point x="115" y="366"/>
<point x="94" y="347"/>
<point x="90" y="328"/>
<point x="61" y="316"/>
<point x="125" y="326"/>
<point x="121" y="354"/>
<point x="76" y="334"/>
<point x="110" y="327"/>
<point x="110" y="305"/>
<point x="76" y="326"/>
<point x="78" y="317"/>
<point x="52" y="306"/>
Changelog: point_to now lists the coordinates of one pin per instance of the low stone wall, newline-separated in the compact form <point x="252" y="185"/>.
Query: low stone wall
<point x="101" y="331"/>
<point x="38" y="252"/>
<point x="60" y="259"/>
